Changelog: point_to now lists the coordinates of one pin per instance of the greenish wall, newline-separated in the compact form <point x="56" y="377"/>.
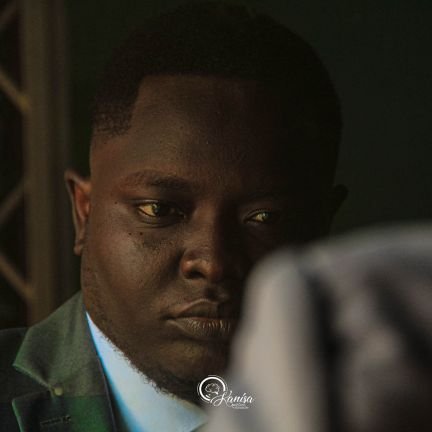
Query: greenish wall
<point x="379" y="56"/>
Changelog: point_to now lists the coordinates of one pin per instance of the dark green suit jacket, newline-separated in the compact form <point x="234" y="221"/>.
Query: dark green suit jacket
<point x="50" y="376"/>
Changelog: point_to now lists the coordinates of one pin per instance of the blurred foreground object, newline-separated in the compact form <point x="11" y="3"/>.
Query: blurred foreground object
<point x="338" y="338"/>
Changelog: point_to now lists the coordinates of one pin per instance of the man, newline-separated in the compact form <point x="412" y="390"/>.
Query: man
<point x="215" y="139"/>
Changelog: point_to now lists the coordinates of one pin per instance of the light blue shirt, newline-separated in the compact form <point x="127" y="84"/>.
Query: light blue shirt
<point x="139" y="407"/>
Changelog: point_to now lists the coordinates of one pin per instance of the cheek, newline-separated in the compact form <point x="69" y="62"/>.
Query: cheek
<point x="131" y="263"/>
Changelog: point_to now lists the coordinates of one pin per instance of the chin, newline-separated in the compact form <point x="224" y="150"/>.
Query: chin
<point x="178" y="371"/>
<point x="175" y="366"/>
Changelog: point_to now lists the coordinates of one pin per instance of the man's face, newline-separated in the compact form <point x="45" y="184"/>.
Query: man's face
<point x="179" y="209"/>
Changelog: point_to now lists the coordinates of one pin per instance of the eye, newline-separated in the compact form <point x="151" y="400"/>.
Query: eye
<point x="158" y="209"/>
<point x="264" y="217"/>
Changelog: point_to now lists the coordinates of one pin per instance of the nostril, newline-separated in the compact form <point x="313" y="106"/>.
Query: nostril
<point x="191" y="268"/>
<point x="202" y="267"/>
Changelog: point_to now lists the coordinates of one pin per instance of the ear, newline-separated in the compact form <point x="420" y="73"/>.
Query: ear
<point x="79" y="193"/>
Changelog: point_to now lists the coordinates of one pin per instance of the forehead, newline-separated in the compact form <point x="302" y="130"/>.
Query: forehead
<point x="225" y="109"/>
<point x="202" y="124"/>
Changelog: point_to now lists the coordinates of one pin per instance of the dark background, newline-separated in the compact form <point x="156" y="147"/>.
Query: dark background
<point x="379" y="55"/>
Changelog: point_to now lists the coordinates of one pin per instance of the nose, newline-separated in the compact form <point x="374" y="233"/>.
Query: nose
<point x="213" y="253"/>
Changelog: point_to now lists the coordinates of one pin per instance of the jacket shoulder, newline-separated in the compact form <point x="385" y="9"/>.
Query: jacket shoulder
<point x="12" y="382"/>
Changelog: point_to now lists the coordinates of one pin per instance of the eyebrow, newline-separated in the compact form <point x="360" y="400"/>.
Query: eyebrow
<point x="172" y="182"/>
<point x="157" y="179"/>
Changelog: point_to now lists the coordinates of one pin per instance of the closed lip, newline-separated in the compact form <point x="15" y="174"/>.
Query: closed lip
<point x="205" y="309"/>
<point x="205" y="329"/>
<point x="205" y="320"/>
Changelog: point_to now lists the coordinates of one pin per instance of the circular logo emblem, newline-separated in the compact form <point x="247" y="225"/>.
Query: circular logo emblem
<point x="211" y="387"/>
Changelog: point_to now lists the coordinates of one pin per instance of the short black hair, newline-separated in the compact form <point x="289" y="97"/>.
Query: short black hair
<point x="232" y="41"/>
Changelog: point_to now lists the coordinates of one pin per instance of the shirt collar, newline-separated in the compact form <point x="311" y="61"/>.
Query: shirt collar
<point x="138" y="405"/>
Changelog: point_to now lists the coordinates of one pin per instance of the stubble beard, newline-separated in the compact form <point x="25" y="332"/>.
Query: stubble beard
<point x="160" y="377"/>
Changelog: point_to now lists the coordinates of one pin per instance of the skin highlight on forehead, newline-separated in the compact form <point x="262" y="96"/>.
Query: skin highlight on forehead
<point x="169" y="182"/>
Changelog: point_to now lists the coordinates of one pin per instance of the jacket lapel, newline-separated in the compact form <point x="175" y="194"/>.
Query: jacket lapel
<point x="36" y="412"/>
<point x="58" y="354"/>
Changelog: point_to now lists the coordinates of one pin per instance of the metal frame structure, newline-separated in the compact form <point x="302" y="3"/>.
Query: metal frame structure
<point x="43" y="105"/>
